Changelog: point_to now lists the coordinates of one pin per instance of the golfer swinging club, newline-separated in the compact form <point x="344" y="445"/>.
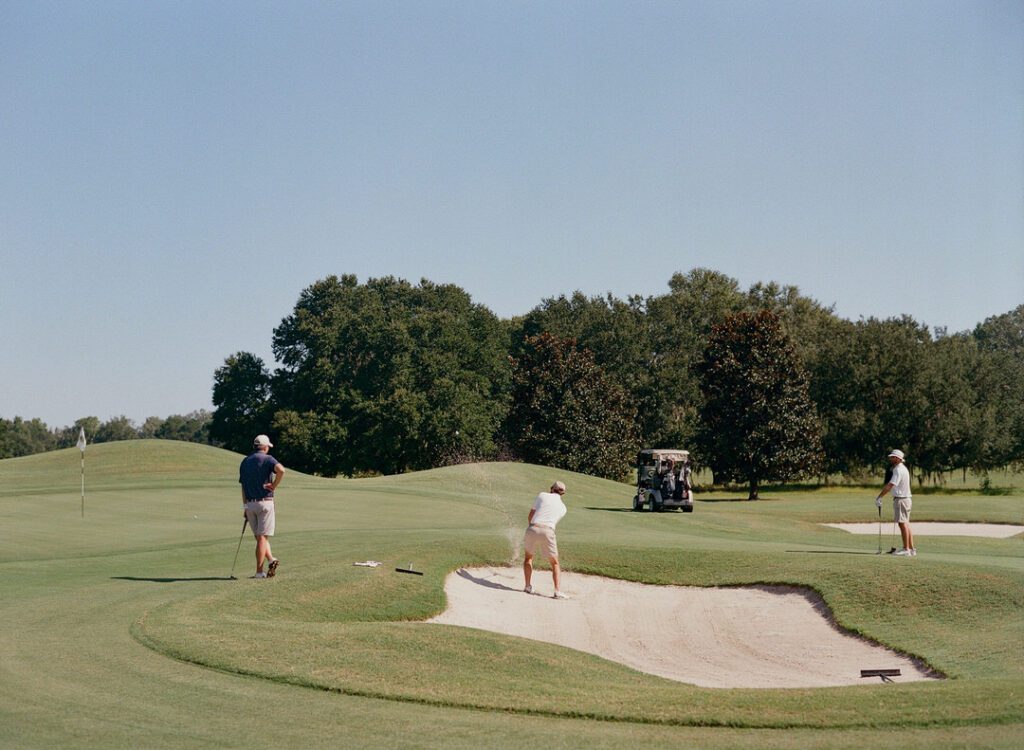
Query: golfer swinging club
<point x="546" y="512"/>
<point x="901" y="501"/>
<point x="258" y="500"/>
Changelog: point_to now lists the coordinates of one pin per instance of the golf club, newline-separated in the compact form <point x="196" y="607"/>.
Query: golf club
<point x="879" y="530"/>
<point x="240" y="537"/>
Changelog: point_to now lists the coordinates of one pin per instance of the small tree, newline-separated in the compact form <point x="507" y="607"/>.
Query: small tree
<point x="758" y="422"/>
<point x="241" y="391"/>
<point x="567" y="412"/>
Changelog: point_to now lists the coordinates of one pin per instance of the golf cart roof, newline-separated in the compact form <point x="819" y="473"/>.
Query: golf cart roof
<point x="661" y="454"/>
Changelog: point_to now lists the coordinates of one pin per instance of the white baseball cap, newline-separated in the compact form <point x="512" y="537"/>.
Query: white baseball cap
<point x="263" y="440"/>
<point x="897" y="453"/>
<point x="558" y="486"/>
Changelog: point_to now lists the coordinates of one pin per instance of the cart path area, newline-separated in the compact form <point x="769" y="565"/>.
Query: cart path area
<point x="751" y="637"/>
<point x="937" y="528"/>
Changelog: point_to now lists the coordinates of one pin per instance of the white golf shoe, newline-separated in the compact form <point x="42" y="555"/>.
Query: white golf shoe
<point x="904" y="552"/>
<point x="528" y="590"/>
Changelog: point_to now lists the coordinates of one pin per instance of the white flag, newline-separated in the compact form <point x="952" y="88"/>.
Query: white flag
<point x="81" y="439"/>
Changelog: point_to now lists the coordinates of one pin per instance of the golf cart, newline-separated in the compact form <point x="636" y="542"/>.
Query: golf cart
<point x="663" y="480"/>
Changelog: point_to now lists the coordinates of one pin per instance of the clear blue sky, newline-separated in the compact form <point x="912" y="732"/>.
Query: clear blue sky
<point x="173" y="174"/>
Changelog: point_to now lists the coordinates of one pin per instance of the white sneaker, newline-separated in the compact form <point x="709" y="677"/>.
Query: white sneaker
<point x="260" y="575"/>
<point x="559" y="595"/>
<point x="528" y="590"/>
<point x="904" y="552"/>
<point x="913" y="552"/>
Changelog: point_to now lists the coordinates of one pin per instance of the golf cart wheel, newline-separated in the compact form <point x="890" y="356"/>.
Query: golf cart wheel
<point x="638" y="504"/>
<point x="687" y="509"/>
<point x="655" y="507"/>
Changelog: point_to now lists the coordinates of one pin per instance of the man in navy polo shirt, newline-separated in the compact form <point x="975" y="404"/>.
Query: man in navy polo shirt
<point x="258" y="500"/>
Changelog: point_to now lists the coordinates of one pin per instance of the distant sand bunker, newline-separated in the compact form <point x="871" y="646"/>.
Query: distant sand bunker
<point x="934" y="528"/>
<point x="757" y="637"/>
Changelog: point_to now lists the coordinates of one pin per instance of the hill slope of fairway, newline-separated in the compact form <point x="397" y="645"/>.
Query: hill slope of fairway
<point x="125" y="631"/>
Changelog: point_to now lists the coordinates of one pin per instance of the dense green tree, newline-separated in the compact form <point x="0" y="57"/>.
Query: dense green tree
<point x="809" y="325"/>
<point x="193" y="427"/>
<point x="23" y="437"/>
<point x="567" y="412"/>
<point x="758" y="422"/>
<point x="680" y="323"/>
<point x="387" y="376"/>
<point x="837" y="386"/>
<point x="947" y="439"/>
<point x="241" y="397"/>
<point x="150" y="427"/>
<point x="1003" y="333"/>
<point x="68" y="436"/>
<point x="618" y="334"/>
<point x="116" y="428"/>
<point x="999" y="384"/>
<point x="870" y="384"/>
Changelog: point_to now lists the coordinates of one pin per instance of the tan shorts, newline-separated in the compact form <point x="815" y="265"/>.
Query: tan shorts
<point x="260" y="515"/>
<point x="536" y="535"/>
<point x="901" y="509"/>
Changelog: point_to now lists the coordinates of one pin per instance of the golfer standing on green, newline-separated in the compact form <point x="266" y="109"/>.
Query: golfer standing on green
<point x="546" y="512"/>
<point x="258" y="500"/>
<point x="899" y="483"/>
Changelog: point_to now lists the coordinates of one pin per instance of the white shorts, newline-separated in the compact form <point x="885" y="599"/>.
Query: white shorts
<point x="901" y="509"/>
<point x="541" y="535"/>
<point x="260" y="515"/>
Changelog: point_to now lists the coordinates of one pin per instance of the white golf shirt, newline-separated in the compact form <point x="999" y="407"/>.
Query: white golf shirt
<point x="548" y="509"/>
<point x="900" y="480"/>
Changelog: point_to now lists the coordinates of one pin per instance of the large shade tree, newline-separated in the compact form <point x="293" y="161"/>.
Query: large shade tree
<point x="618" y="335"/>
<point x="567" y="412"/>
<point x="758" y="422"/>
<point x="680" y="323"/>
<point x="387" y="376"/>
<point x="999" y="385"/>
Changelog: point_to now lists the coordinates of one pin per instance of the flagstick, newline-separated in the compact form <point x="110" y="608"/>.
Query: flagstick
<point x="81" y="447"/>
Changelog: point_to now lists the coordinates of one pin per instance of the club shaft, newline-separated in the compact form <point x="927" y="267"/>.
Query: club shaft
<point x="240" y="537"/>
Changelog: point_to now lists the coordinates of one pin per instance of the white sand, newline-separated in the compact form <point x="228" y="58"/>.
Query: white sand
<point x="931" y="528"/>
<point x="758" y="637"/>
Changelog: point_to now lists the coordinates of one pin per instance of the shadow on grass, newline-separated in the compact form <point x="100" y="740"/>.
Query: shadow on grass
<point x="830" y="552"/>
<point x="680" y="511"/>
<point x="173" y="580"/>
<point x="731" y="500"/>
<point x="483" y="581"/>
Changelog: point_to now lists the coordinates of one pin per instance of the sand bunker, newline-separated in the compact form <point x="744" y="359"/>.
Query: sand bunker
<point x="927" y="528"/>
<point x="763" y="637"/>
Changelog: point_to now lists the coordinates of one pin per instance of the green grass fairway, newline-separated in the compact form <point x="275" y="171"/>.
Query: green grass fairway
<point x="123" y="629"/>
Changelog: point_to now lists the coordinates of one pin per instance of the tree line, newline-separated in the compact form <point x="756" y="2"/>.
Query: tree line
<point x="760" y="384"/>
<point x="23" y="437"/>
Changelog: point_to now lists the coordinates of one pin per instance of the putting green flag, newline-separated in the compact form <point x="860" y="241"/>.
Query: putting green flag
<point x="81" y="447"/>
